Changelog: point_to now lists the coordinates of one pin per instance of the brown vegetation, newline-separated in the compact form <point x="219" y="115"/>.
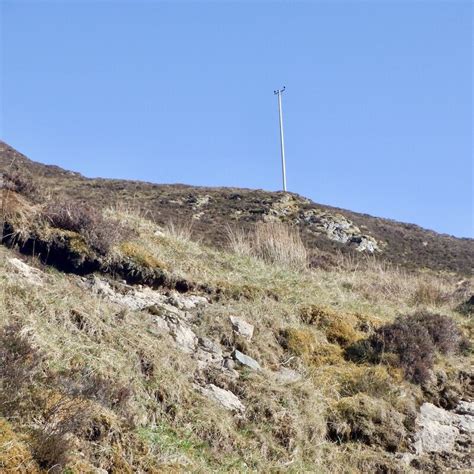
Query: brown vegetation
<point x="403" y="244"/>
<point x="100" y="233"/>
<point x="87" y="382"/>
<point x="410" y="342"/>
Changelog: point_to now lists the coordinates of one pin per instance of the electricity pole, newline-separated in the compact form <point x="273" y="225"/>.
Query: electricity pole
<point x="279" y="92"/>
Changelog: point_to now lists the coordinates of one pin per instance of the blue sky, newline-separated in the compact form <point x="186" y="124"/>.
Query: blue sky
<point x="378" y="107"/>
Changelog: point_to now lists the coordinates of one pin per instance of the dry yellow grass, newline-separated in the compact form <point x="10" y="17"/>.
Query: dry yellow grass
<point x="15" y="456"/>
<point x="273" y="242"/>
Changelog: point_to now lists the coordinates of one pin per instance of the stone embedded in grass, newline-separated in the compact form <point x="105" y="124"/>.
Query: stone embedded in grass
<point x="242" y="327"/>
<point x="208" y="352"/>
<point x="30" y="274"/>
<point x="224" y="397"/>
<point x="183" y="335"/>
<point x="440" y="430"/>
<point x="246" y="360"/>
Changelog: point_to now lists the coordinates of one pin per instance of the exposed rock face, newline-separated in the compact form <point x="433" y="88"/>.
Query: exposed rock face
<point x="339" y="228"/>
<point x="333" y="225"/>
<point x="242" y="327"/>
<point x="186" y="302"/>
<point x="130" y="297"/>
<point x="182" y="333"/>
<point x="442" y="431"/>
<point x="287" y="206"/>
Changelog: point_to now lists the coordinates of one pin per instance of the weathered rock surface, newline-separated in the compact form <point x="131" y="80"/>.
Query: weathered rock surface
<point x="209" y="352"/>
<point x="137" y="298"/>
<point x="246" y="360"/>
<point x="32" y="275"/>
<point x="132" y="298"/>
<point x="186" y="302"/>
<point x="242" y="327"/>
<point x="442" y="431"/>
<point x="224" y="397"/>
<point x="339" y="228"/>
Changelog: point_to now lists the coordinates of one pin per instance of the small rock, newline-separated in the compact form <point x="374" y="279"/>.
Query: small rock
<point x="210" y="346"/>
<point x="161" y="324"/>
<point x="224" y="397"/>
<point x="184" y="337"/>
<point x="30" y="274"/>
<point x="242" y="327"/>
<point x="465" y="408"/>
<point x="208" y="352"/>
<point x="246" y="360"/>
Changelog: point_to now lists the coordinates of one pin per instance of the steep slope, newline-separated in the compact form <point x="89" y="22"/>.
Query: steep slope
<point x="129" y="346"/>
<point x="246" y="365"/>
<point x="325" y="230"/>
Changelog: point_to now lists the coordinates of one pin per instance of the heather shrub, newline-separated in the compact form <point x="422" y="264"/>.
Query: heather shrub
<point x="443" y="331"/>
<point x="100" y="233"/>
<point x="107" y="392"/>
<point x="60" y="418"/>
<point x="19" y="360"/>
<point x="467" y="307"/>
<point x="410" y="343"/>
<point x="21" y="184"/>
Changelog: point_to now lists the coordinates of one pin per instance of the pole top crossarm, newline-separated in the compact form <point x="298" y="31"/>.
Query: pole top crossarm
<point x="279" y="91"/>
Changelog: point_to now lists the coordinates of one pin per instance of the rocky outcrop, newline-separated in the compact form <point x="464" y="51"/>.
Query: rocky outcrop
<point x="444" y="434"/>
<point x="172" y="314"/>
<point x="333" y="225"/>
<point x="338" y="228"/>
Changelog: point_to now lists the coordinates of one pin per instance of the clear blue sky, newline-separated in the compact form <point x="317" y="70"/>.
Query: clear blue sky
<point x="378" y="108"/>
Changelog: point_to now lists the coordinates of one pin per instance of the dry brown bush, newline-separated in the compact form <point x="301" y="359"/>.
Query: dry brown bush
<point x="100" y="233"/>
<point x="429" y="292"/>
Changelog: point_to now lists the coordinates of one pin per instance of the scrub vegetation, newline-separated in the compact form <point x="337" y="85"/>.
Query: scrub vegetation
<point x="348" y="350"/>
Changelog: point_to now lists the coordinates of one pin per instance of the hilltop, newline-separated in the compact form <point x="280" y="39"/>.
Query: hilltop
<point x="156" y="328"/>
<point x="326" y="231"/>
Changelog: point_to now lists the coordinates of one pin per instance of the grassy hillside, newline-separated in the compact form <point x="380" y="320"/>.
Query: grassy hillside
<point x="131" y="346"/>
<point x="326" y="231"/>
